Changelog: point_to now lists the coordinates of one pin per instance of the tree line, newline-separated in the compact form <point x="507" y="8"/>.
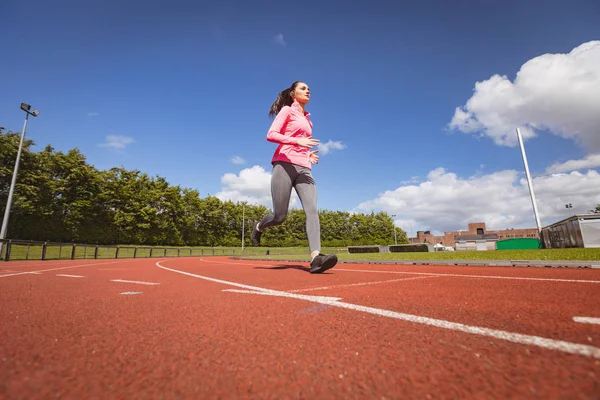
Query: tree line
<point x="59" y="197"/>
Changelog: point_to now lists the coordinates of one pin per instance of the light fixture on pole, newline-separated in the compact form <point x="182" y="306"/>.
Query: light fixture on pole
<point x="395" y="239"/>
<point x="530" y="183"/>
<point x="35" y="113"/>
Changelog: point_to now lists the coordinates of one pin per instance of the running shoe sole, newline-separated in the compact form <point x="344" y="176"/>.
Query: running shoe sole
<point x="329" y="263"/>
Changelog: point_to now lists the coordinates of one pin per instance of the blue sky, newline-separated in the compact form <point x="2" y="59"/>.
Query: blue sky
<point x="178" y="88"/>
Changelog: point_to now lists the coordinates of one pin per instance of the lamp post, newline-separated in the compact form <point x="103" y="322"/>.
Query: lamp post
<point x="28" y="112"/>
<point x="243" y="223"/>
<point x="395" y="239"/>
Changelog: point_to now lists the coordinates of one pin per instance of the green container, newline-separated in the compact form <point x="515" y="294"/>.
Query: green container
<point x="518" y="244"/>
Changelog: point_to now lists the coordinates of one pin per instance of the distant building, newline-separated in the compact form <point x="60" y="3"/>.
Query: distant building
<point x="477" y="237"/>
<point x="581" y="230"/>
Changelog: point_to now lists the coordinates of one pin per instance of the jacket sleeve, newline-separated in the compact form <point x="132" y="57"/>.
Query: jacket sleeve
<point x="274" y="134"/>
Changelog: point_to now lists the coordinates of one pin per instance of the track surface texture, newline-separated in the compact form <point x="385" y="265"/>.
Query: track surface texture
<point x="217" y="328"/>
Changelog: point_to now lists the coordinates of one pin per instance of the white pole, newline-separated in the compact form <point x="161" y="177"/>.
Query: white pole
<point x="529" y="182"/>
<point x="394" y="223"/>
<point x="243" y="223"/>
<point x="12" y="186"/>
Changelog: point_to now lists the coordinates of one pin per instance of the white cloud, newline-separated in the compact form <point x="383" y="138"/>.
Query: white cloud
<point x="117" y="141"/>
<point x="588" y="162"/>
<point x="252" y="185"/>
<point x="414" y="179"/>
<point x="279" y="39"/>
<point x="559" y="93"/>
<point x="446" y="202"/>
<point x="237" y="160"/>
<point x="325" y="148"/>
<point x="93" y="114"/>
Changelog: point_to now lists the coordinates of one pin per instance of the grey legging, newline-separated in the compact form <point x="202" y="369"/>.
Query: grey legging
<point x="285" y="176"/>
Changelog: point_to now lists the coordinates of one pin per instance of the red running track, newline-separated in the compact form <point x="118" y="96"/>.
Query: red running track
<point x="215" y="328"/>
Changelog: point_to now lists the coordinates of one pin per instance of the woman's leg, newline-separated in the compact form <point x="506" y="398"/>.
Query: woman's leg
<point x="307" y="191"/>
<point x="281" y="191"/>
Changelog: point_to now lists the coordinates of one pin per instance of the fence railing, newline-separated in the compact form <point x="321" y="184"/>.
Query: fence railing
<point x="14" y="250"/>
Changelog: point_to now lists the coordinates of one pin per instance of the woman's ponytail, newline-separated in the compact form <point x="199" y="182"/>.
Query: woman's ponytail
<point x="284" y="98"/>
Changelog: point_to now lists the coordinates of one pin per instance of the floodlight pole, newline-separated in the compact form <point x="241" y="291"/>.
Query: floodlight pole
<point x="12" y="185"/>
<point x="529" y="182"/>
<point x="243" y="223"/>
<point x="393" y="223"/>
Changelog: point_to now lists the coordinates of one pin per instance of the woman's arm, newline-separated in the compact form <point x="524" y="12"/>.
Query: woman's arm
<point x="274" y="135"/>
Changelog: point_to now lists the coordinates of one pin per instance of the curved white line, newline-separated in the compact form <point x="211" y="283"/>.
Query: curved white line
<point x="587" y="320"/>
<point x="518" y="278"/>
<point x="57" y="269"/>
<point x="551" y="344"/>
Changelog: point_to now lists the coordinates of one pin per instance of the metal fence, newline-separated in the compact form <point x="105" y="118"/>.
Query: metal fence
<point x="14" y="250"/>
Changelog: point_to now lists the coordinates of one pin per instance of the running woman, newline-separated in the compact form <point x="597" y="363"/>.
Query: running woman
<point x="292" y="165"/>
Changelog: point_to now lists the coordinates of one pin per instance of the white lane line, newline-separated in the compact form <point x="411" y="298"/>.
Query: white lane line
<point x="137" y="282"/>
<point x="235" y="263"/>
<point x="587" y="320"/>
<point x="130" y="292"/>
<point x="56" y="269"/>
<point x="318" y="299"/>
<point x="551" y="344"/>
<point x="70" y="276"/>
<point x="35" y="264"/>
<point x="241" y="285"/>
<point x="359" y="284"/>
<point x="519" y="278"/>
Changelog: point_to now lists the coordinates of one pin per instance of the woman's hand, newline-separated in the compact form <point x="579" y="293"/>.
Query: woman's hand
<point x="313" y="157"/>
<point x="307" y="142"/>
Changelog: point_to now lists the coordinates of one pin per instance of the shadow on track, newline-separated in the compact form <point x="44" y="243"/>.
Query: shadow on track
<point x="283" y="267"/>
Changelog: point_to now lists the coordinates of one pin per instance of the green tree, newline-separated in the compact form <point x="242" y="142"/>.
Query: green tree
<point x="60" y="197"/>
<point x="27" y="193"/>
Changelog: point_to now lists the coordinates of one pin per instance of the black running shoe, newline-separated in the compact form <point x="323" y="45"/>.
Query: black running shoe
<point x="255" y="237"/>
<point x="322" y="263"/>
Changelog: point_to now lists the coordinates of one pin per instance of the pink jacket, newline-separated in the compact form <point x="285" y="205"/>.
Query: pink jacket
<point x="289" y="126"/>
